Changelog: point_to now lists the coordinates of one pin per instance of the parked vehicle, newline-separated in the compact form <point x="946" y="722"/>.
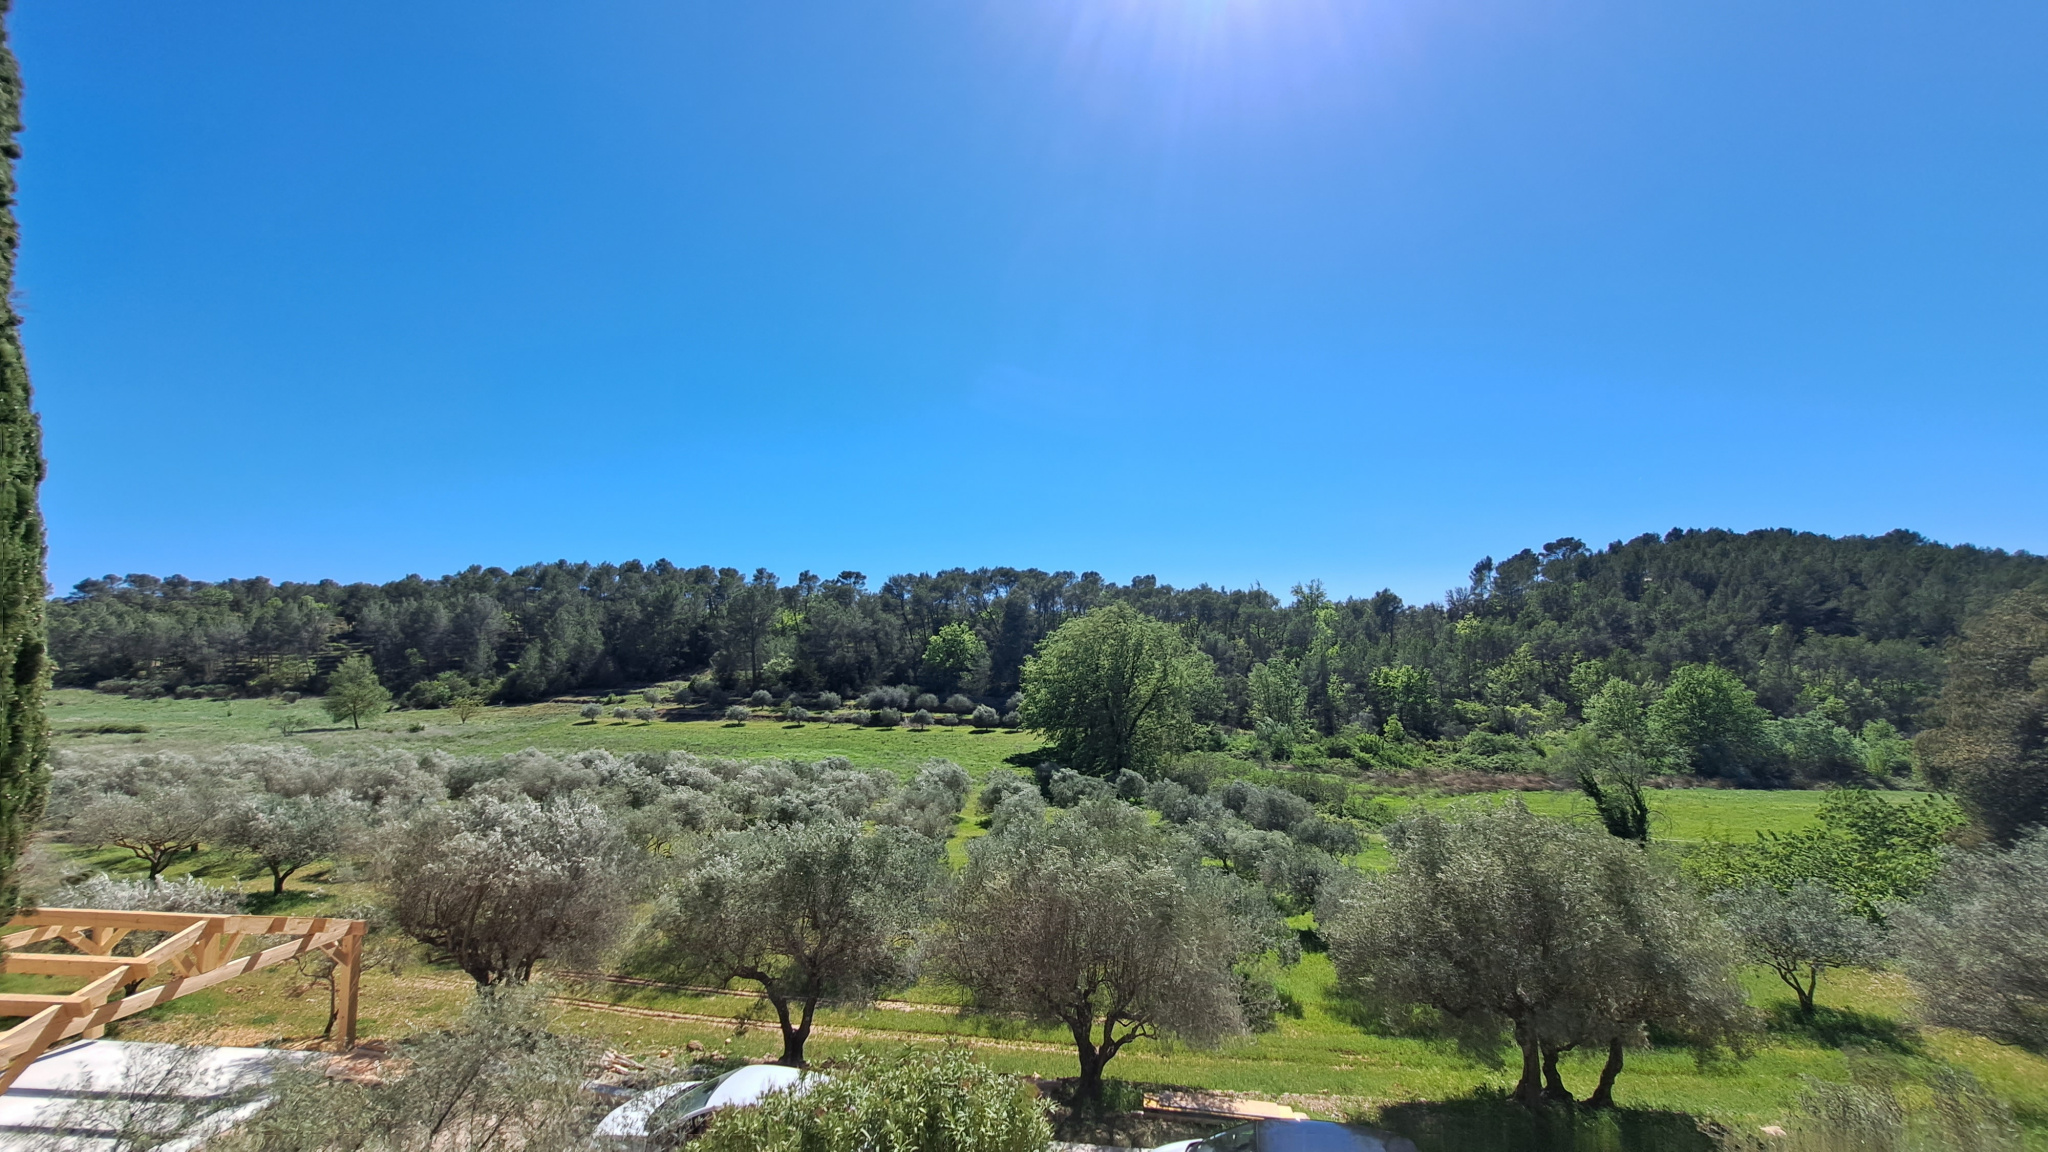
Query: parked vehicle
<point x="675" y="1113"/>
<point x="1294" y="1136"/>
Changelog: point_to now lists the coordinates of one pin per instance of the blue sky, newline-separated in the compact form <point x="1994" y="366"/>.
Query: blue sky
<point x="1221" y="290"/>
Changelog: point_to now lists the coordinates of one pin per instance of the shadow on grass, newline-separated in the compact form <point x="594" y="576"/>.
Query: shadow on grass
<point x="1490" y="1122"/>
<point x="287" y="903"/>
<point x="1844" y="1028"/>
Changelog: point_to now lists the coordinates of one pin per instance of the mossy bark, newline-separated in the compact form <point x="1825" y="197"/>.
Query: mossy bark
<point x="24" y="664"/>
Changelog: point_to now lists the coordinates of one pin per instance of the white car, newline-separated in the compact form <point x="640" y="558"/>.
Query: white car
<point x="1294" y="1136"/>
<point x="668" y="1115"/>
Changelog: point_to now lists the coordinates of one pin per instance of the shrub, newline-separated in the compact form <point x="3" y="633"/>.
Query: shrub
<point x="761" y="698"/>
<point x="829" y="701"/>
<point x="959" y="705"/>
<point x="643" y="714"/>
<point x="739" y="714"/>
<point x="590" y="711"/>
<point x="985" y="717"/>
<point x="1012" y="720"/>
<point x="942" y="1101"/>
<point x="877" y="699"/>
<point x="797" y="714"/>
<point x="926" y="702"/>
<point x="185" y="894"/>
<point x="1974" y="944"/>
<point x="885" y="718"/>
<point x="921" y="719"/>
<point x="619" y="713"/>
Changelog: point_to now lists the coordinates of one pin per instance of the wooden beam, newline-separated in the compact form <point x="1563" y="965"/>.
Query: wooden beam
<point x="60" y="964"/>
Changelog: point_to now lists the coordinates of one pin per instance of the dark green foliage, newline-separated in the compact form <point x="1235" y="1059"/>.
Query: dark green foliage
<point x="24" y="734"/>
<point x="1992" y="746"/>
<point x="1847" y="630"/>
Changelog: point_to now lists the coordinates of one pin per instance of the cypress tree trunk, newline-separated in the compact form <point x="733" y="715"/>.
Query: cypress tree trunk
<point x="24" y="736"/>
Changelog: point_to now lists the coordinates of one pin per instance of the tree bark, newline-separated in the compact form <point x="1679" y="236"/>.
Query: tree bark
<point x="1529" y="1090"/>
<point x="1553" y="1083"/>
<point x="1603" y="1096"/>
<point x="1088" y="1087"/>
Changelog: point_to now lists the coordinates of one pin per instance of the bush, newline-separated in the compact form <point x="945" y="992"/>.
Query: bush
<point x="829" y="701"/>
<point x="761" y="698"/>
<point x="908" y="1100"/>
<point x="1974" y="945"/>
<point x="619" y="713"/>
<point x="1011" y="720"/>
<point x="985" y="717"/>
<point x="959" y="705"/>
<point x="877" y="699"/>
<point x="921" y="719"/>
<point x="885" y="718"/>
<point x="739" y="714"/>
<point x="185" y="894"/>
<point x="926" y="702"/>
<point x="643" y="714"/>
<point x="798" y="715"/>
<point x="498" y="1081"/>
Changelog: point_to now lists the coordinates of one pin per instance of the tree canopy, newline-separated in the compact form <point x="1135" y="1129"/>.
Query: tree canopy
<point x="1513" y="925"/>
<point x="1102" y="923"/>
<point x="1114" y="691"/>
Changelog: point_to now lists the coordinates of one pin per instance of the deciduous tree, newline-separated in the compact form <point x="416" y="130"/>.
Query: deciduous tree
<point x="353" y="692"/>
<point x="1114" y="689"/>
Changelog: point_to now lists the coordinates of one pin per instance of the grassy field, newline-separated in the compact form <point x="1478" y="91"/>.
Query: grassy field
<point x="1322" y="1057"/>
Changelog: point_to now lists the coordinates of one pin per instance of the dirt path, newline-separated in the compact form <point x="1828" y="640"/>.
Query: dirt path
<point x="817" y="1030"/>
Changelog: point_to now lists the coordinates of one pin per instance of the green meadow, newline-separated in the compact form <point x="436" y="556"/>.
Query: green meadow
<point x="1326" y="1055"/>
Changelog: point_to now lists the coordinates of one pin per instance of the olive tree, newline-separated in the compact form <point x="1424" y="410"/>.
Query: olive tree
<point x="498" y="885"/>
<point x="1114" y="689"/>
<point x="1516" y="926"/>
<point x="820" y="910"/>
<point x="1976" y="946"/>
<point x="286" y="833"/>
<point x="156" y="824"/>
<point x="1798" y="933"/>
<point x="1104" y="924"/>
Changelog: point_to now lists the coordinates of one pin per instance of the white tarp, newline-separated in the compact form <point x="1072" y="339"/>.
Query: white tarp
<point x="100" y="1095"/>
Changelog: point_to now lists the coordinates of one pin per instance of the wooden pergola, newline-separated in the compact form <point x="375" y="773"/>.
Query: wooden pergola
<point x="198" y="953"/>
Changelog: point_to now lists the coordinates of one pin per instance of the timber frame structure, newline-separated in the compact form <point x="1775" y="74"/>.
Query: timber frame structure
<point x="198" y="953"/>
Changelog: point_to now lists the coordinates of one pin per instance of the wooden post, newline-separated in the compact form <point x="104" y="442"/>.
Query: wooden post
<point x="348" y="971"/>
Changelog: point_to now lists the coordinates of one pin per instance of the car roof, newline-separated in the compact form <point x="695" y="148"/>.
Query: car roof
<point x="1324" y="1136"/>
<point x="747" y="1085"/>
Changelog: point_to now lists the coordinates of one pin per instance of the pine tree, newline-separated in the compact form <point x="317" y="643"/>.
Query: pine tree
<point x="24" y="734"/>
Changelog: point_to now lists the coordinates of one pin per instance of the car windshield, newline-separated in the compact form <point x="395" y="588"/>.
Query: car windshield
<point x="682" y="1104"/>
<point x="1238" y="1139"/>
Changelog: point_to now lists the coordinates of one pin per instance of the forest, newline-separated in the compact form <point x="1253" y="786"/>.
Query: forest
<point x="1838" y="641"/>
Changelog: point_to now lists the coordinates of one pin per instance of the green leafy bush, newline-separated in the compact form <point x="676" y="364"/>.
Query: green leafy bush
<point x="907" y="1100"/>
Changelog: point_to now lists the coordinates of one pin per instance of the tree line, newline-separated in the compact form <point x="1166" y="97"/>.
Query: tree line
<point x="1802" y="620"/>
